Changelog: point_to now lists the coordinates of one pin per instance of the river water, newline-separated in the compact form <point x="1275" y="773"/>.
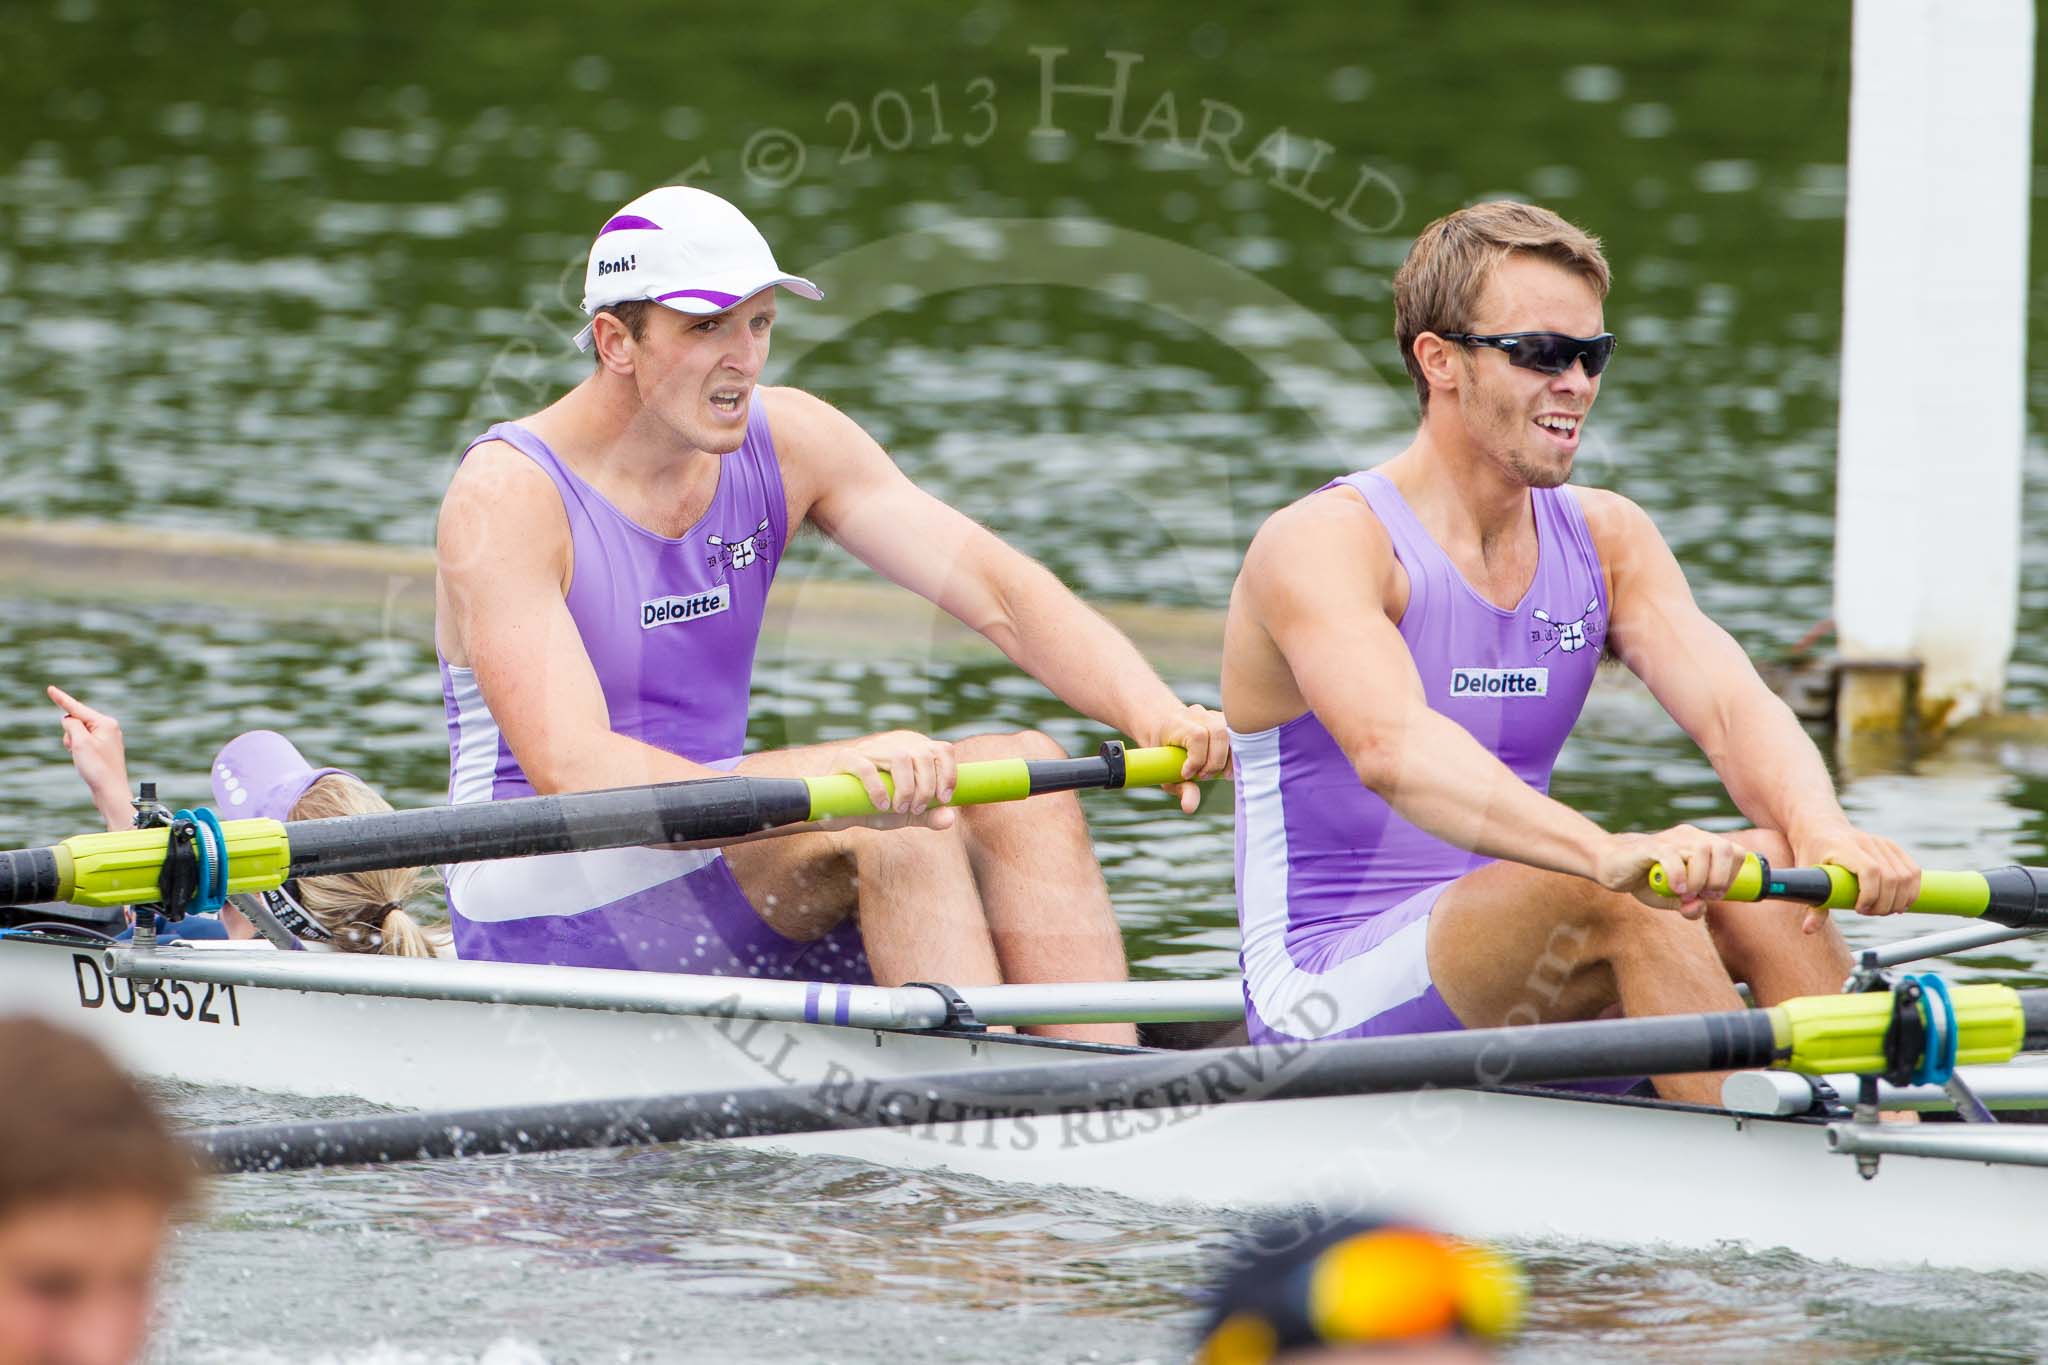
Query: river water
<point x="265" y="270"/>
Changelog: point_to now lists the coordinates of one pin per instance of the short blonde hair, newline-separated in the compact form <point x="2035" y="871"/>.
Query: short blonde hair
<point x="365" y="911"/>
<point x="1438" y="286"/>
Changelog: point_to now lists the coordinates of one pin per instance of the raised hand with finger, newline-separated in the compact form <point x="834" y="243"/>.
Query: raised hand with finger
<point x="100" y="755"/>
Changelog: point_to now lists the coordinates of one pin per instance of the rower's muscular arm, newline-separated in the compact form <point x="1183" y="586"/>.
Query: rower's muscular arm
<point x="1702" y="677"/>
<point x="1313" y="590"/>
<point x="502" y="561"/>
<point x="855" y="493"/>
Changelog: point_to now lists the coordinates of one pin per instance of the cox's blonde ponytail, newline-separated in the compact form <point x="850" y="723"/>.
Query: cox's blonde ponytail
<point x="364" y="911"/>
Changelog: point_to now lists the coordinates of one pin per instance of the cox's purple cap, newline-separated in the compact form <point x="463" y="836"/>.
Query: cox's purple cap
<point x="261" y="775"/>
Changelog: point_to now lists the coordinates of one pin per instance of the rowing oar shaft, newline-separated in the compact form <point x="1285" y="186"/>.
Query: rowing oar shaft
<point x="124" y="867"/>
<point x="1818" y="1035"/>
<point x="2014" y="896"/>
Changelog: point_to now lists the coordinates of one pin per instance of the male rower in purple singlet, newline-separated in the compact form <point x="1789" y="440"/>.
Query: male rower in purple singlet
<point x="1407" y="649"/>
<point x="603" y="567"/>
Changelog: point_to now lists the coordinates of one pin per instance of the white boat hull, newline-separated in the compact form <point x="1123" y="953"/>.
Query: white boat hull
<point x="1506" y="1164"/>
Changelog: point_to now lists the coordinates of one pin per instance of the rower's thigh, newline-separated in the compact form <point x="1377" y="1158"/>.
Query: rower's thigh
<point x="803" y="885"/>
<point x="1032" y="744"/>
<point x="1513" y="944"/>
<point x="1762" y="942"/>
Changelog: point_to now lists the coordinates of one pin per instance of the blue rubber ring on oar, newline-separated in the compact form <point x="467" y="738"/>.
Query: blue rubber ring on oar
<point x="210" y="846"/>
<point x="1944" y="1035"/>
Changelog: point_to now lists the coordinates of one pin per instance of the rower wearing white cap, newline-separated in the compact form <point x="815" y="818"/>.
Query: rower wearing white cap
<point x="603" y="568"/>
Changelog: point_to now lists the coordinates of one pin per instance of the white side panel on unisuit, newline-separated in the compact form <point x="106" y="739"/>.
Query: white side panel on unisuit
<point x="1934" y="341"/>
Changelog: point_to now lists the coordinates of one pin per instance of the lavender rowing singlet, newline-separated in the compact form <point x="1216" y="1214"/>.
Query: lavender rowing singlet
<point x="1334" y="888"/>
<point x="671" y="625"/>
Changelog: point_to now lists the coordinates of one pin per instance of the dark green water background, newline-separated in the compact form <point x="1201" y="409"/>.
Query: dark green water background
<point x="265" y="270"/>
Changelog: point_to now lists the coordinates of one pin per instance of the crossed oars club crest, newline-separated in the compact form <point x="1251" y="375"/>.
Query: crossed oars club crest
<point x="736" y="554"/>
<point x="1571" y="635"/>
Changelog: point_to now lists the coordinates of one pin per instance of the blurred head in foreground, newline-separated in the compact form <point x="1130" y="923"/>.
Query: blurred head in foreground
<point x="89" y="1178"/>
<point x="1371" y="1292"/>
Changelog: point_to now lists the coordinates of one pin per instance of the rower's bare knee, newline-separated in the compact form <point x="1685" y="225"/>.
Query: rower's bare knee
<point x="1738" y="925"/>
<point x="1041" y="816"/>
<point x="1621" y="929"/>
<point x="1028" y="744"/>
<point x="875" y="853"/>
<point x="1512" y="945"/>
<point x="1763" y="943"/>
<point x="1767" y="844"/>
<point x="803" y="885"/>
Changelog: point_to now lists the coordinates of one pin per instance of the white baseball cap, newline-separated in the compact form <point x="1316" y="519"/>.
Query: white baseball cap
<point x="684" y="249"/>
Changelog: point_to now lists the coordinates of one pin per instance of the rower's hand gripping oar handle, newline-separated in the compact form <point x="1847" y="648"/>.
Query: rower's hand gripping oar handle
<point x="2015" y="896"/>
<point x="841" y="795"/>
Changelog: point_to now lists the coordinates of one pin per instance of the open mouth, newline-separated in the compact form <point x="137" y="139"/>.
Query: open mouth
<point x="1562" y="428"/>
<point x="728" y="402"/>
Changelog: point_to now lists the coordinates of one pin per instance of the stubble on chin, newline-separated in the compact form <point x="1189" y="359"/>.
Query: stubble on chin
<point x="1539" y="473"/>
<point x="1511" y="433"/>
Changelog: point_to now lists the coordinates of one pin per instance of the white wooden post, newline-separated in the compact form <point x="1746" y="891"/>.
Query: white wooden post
<point x="1933" y="356"/>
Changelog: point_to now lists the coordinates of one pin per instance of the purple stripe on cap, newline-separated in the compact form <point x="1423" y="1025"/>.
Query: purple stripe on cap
<point x="627" y="221"/>
<point x="811" y="993"/>
<point x="708" y="295"/>
<point x="843" y="1003"/>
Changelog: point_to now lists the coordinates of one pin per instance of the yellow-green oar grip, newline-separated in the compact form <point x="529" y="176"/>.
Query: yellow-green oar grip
<point x="1153" y="767"/>
<point x="1953" y="893"/>
<point x="124" y="867"/>
<point x="841" y="795"/>
<point x="1747" y="886"/>
<point x="998" y="779"/>
<point x="1941" y="893"/>
<point x="1834" y="888"/>
<point x="1834" y="1033"/>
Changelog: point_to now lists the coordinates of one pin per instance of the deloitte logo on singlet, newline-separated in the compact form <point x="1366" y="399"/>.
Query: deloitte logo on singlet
<point x="1500" y="682"/>
<point x="668" y="611"/>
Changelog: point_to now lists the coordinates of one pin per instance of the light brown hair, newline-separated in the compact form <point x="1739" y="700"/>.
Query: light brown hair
<point x="1438" y="286"/>
<point x="365" y="911"/>
<point x="632" y="312"/>
<point x="78" y="1127"/>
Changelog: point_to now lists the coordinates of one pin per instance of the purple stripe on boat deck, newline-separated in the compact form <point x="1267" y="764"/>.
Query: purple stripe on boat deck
<point x="843" y="1003"/>
<point x="811" y="1003"/>
<point x="629" y="220"/>
<point x="708" y="295"/>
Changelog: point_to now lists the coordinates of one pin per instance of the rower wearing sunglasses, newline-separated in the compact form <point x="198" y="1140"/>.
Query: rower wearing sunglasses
<point x="1408" y="648"/>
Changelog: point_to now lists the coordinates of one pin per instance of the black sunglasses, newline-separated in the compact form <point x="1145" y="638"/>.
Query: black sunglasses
<point x="1549" y="352"/>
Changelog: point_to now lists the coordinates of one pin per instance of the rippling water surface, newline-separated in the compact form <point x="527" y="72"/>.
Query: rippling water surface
<point x="263" y="271"/>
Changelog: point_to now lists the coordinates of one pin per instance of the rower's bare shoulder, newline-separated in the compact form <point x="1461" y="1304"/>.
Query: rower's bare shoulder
<point x="1618" y="524"/>
<point x="816" y="444"/>
<point x="805" y="426"/>
<point x="1329" y="537"/>
<point x="489" y="468"/>
<point x="1329" y="520"/>
<point x="499" y="504"/>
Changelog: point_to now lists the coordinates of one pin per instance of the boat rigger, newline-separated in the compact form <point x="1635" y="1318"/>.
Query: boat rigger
<point x="507" y="1058"/>
<point x="562" y="1053"/>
